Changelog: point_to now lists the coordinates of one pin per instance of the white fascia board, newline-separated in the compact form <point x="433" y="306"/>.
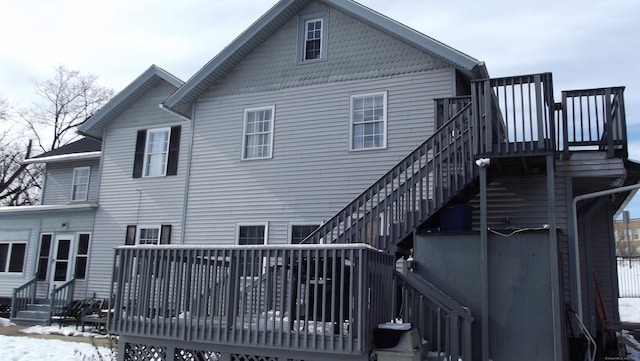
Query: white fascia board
<point x="47" y="208"/>
<point x="64" y="158"/>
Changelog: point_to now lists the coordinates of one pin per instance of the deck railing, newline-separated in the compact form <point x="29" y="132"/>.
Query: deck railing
<point x="515" y="115"/>
<point x="594" y="119"/>
<point x="22" y="296"/>
<point x="413" y="190"/>
<point x="309" y="298"/>
<point x="440" y="319"/>
<point x="60" y="297"/>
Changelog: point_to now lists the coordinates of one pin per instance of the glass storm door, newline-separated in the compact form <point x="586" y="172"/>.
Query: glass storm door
<point x="62" y="262"/>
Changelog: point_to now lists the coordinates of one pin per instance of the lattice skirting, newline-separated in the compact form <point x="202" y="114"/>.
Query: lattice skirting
<point x="143" y="352"/>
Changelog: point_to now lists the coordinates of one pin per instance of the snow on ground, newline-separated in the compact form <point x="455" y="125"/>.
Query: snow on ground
<point x="13" y="348"/>
<point x="629" y="309"/>
<point x="64" y="331"/>
<point x="28" y="349"/>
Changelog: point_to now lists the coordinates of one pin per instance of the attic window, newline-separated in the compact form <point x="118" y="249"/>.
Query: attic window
<point x="312" y="35"/>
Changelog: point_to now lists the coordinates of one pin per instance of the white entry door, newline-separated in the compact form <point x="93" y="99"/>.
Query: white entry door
<point x="62" y="259"/>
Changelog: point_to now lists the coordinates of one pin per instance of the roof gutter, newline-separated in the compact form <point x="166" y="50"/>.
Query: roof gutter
<point x="64" y="157"/>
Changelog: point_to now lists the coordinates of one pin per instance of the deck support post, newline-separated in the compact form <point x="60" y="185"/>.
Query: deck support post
<point x="484" y="264"/>
<point x="554" y="272"/>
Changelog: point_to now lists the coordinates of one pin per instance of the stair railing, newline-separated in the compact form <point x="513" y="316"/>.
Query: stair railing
<point x="410" y="192"/>
<point x="61" y="297"/>
<point x="444" y="323"/>
<point x="22" y="296"/>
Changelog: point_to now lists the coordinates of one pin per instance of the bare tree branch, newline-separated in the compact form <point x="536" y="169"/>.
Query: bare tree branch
<point x="66" y="101"/>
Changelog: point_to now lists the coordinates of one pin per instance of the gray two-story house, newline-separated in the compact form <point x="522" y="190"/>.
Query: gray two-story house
<point x="261" y="209"/>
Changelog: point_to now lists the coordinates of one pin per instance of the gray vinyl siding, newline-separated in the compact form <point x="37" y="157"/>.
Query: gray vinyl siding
<point x="312" y="173"/>
<point x="523" y="200"/>
<point x="18" y="229"/>
<point x="60" y="177"/>
<point x="27" y="227"/>
<point x="355" y="51"/>
<point x="125" y="200"/>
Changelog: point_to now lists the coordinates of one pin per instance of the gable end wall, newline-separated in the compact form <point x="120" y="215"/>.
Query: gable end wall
<point x="356" y="51"/>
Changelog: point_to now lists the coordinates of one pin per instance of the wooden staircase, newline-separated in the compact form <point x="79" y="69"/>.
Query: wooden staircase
<point x="36" y="313"/>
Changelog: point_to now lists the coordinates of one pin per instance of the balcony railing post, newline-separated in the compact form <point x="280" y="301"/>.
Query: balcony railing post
<point x="622" y="121"/>
<point x="609" y="123"/>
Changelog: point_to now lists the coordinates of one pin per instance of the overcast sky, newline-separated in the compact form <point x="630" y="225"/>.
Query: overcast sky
<point x="584" y="43"/>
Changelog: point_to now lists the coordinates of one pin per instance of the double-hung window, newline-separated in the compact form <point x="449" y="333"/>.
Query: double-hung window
<point x="12" y="256"/>
<point x="300" y="231"/>
<point x="313" y="37"/>
<point x="368" y="129"/>
<point x="257" y="140"/>
<point x="80" y="183"/>
<point x="156" y="152"/>
<point x="148" y="234"/>
<point x="249" y="235"/>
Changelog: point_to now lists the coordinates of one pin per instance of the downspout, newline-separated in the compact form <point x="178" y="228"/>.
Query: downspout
<point x="187" y="176"/>
<point x="576" y="245"/>
<point x="185" y="194"/>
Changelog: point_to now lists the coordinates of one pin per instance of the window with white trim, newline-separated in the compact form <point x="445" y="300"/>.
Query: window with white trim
<point x="257" y="138"/>
<point x="148" y="234"/>
<point x="368" y="128"/>
<point x="312" y="34"/>
<point x="252" y="235"/>
<point x="12" y="255"/>
<point x="156" y="153"/>
<point x="80" y="183"/>
<point x="300" y="231"/>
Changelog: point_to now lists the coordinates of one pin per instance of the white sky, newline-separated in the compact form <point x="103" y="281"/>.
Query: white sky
<point x="585" y="43"/>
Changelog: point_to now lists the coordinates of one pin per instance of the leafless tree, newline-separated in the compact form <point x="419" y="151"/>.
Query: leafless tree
<point x="66" y="101"/>
<point x="19" y="184"/>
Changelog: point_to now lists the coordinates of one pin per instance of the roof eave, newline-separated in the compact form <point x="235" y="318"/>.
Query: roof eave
<point x="215" y="68"/>
<point x="64" y="158"/>
<point x="47" y="208"/>
<point x="434" y="47"/>
<point x="93" y="126"/>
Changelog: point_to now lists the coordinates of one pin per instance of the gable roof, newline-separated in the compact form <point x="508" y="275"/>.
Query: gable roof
<point x="95" y="125"/>
<point x="85" y="148"/>
<point x="282" y="12"/>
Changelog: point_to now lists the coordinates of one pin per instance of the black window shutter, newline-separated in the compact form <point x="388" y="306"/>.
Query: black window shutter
<point x="174" y="147"/>
<point x="138" y="160"/>
<point x="165" y="234"/>
<point x="130" y="238"/>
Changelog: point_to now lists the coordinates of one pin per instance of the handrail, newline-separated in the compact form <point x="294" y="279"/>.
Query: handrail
<point x="449" y="329"/>
<point x="410" y="192"/>
<point x="22" y="296"/>
<point x="60" y="297"/>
